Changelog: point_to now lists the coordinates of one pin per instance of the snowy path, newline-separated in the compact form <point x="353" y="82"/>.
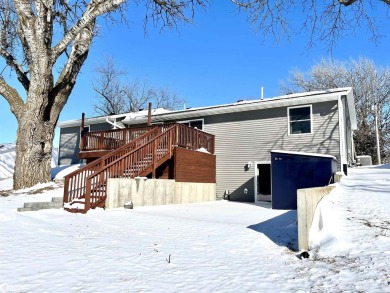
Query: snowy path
<point x="207" y="247"/>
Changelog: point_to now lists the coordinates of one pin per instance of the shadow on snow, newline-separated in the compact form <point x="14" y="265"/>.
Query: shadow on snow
<point x="282" y="230"/>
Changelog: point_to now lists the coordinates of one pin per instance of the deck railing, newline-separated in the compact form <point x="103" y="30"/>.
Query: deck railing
<point x="75" y="182"/>
<point x="138" y="158"/>
<point x="110" y="139"/>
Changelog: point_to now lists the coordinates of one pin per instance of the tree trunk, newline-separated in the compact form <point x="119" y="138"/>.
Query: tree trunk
<point x="33" y="152"/>
<point x="36" y="130"/>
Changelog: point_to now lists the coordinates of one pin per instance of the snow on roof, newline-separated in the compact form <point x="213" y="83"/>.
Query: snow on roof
<point x="88" y="121"/>
<point x="102" y="119"/>
<point x="131" y="117"/>
<point x="303" y="154"/>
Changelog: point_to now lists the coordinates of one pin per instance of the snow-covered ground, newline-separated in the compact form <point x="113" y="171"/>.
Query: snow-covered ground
<point x="206" y="247"/>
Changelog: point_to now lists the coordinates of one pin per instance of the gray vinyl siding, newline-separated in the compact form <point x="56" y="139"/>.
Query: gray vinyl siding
<point x="250" y="136"/>
<point x="69" y="146"/>
<point x="243" y="137"/>
<point x="100" y="127"/>
<point x="70" y="142"/>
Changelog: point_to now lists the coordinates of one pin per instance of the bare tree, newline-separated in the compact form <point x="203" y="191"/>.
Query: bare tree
<point x="40" y="38"/>
<point x="323" y="21"/>
<point x="108" y="89"/>
<point x="115" y="94"/>
<point x="371" y="85"/>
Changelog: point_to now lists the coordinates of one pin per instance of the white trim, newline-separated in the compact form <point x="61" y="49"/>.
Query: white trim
<point x="311" y="119"/>
<point x="255" y="163"/>
<point x="343" y="155"/>
<point x="303" y="154"/>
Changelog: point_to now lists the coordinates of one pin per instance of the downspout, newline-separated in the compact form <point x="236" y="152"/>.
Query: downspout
<point x="343" y="162"/>
<point x="354" y="160"/>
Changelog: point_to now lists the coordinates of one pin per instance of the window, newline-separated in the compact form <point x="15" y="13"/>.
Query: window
<point x="194" y="123"/>
<point x="299" y="120"/>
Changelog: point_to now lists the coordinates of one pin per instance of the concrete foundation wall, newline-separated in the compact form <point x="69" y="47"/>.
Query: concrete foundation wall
<point x="308" y="200"/>
<point x="146" y="192"/>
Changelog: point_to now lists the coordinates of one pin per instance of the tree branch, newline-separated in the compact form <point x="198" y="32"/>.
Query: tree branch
<point x="12" y="97"/>
<point x="66" y="81"/>
<point x="347" y="2"/>
<point x="26" y="24"/>
<point x="13" y="63"/>
<point x="92" y="12"/>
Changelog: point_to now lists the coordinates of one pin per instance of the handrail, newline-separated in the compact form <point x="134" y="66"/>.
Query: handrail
<point x="130" y="165"/>
<point x="74" y="185"/>
<point x="137" y="158"/>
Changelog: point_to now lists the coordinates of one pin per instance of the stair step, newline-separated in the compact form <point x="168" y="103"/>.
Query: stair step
<point x="43" y="205"/>
<point x="57" y="199"/>
<point x="36" y="206"/>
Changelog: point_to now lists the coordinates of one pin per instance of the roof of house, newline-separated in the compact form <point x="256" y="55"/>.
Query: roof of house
<point x="103" y="119"/>
<point x="303" y="154"/>
<point x="241" y="106"/>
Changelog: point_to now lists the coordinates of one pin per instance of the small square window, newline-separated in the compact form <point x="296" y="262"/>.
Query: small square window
<point x="198" y="124"/>
<point x="299" y="120"/>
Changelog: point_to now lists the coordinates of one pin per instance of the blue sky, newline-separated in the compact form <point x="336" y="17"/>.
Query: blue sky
<point x="219" y="59"/>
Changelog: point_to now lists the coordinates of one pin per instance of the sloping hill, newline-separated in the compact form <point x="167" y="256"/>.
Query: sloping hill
<point x="7" y="160"/>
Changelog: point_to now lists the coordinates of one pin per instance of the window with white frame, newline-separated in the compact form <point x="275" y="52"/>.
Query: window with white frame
<point x="299" y="120"/>
<point x="194" y="123"/>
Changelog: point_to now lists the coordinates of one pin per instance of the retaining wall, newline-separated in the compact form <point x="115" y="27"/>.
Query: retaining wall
<point x="308" y="200"/>
<point x="146" y="192"/>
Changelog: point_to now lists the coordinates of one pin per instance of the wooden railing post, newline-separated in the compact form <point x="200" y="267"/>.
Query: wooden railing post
<point x="101" y="141"/>
<point x="197" y="139"/>
<point x="87" y="205"/>
<point x="66" y="190"/>
<point x="82" y="144"/>
<point x="170" y="143"/>
<point x="150" y="114"/>
<point x="154" y="152"/>
<point x="124" y="136"/>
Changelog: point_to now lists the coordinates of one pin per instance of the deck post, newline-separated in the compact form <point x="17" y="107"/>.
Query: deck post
<point x="87" y="198"/>
<point x="154" y="158"/>
<point x="150" y="114"/>
<point x="82" y="132"/>
<point x="197" y="139"/>
<point x="124" y="136"/>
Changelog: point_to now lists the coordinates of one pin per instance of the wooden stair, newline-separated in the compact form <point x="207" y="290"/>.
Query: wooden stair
<point x="86" y="188"/>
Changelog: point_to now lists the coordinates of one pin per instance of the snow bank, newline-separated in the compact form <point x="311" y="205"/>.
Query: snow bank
<point x="7" y="160"/>
<point x="59" y="172"/>
<point x="365" y="190"/>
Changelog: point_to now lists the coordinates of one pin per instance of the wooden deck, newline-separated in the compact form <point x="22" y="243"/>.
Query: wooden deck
<point x="165" y="151"/>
